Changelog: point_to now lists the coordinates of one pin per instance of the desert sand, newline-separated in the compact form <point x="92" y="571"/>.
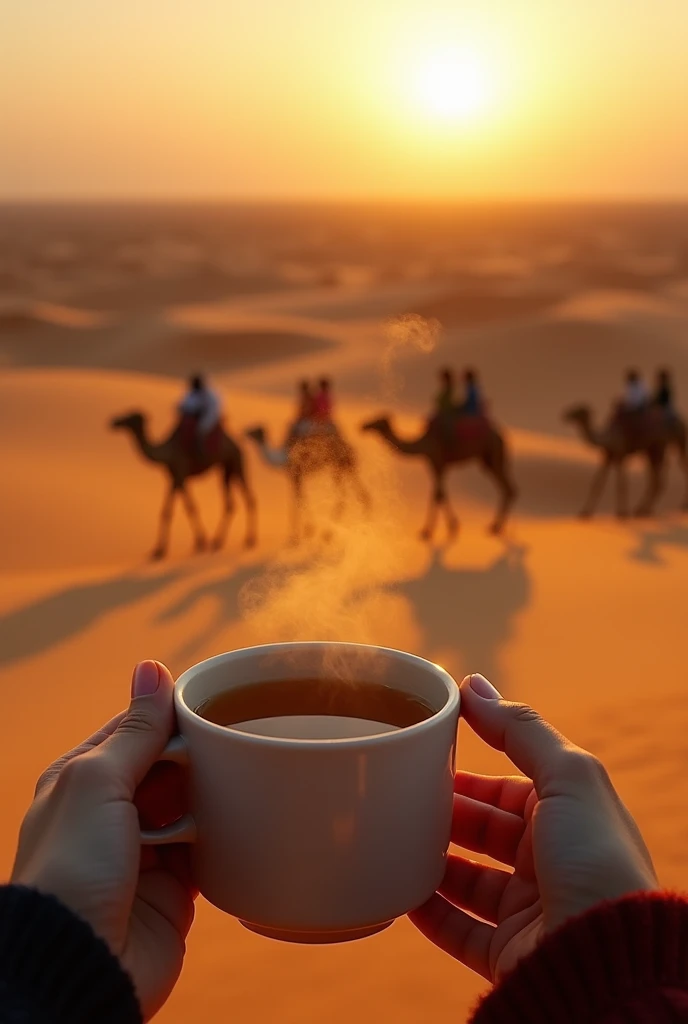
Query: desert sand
<point x="585" y="620"/>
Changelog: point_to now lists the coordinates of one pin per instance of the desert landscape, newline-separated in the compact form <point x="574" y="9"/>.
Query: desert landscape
<point x="107" y="309"/>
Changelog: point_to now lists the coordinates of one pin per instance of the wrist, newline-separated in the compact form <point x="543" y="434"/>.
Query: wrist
<point x="612" y="887"/>
<point x="618" y="954"/>
<point x="56" y="966"/>
<point x="53" y="883"/>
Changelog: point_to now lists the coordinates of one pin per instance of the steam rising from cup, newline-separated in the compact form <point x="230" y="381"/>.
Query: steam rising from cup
<point x="408" y="333"/>
<point x="341" y="591"/>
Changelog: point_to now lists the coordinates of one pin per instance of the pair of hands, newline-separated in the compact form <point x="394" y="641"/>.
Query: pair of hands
<point x="567" y="838"/>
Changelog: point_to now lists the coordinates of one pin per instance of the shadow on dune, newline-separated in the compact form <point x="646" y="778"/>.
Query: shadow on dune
<point x="471" y="610"/>
<point x="224" y="594"/>
<point x="646" y="753"/>
<point x="550" y="486"/>
<point x="223" y="351"/>
<point x="476" y="305"/>
<point x="651" y="542"/>
<point x="532" y="368"/>
<point x="556" y="487"/>
<point x="37" y="627"/>
<point x="149" y="345"/>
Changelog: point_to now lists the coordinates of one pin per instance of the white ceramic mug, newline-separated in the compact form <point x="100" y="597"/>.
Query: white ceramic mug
<point x="322" y="833"/>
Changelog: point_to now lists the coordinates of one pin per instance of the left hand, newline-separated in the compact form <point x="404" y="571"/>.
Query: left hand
<point x="80" y="840"/>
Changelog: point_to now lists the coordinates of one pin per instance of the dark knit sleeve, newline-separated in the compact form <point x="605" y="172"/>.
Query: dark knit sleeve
<point x="54" y="969"/>
<point x="624" y="962"/>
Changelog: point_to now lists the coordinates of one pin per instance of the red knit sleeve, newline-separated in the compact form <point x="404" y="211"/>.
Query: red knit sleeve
<point x="620" y="963"/>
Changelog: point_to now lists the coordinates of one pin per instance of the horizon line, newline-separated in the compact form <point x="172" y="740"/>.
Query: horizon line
<point x="248" y="200"/>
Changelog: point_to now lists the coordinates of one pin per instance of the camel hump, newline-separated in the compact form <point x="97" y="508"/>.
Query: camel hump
<point x="641" y="426"/>
<point x="323" y="445"/>
<point x="315" y="433"/>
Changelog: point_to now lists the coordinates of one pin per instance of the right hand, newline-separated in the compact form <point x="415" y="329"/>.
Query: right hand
<point x="570" y="840"/>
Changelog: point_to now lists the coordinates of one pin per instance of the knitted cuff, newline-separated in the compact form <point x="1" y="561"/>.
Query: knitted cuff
<point x="54" y="965"/>
<point x="615" y="954"/>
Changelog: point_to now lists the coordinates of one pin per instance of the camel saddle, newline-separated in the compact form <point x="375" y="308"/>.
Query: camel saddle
<point x="472" y="428"/>
<point x="461" y="429"/>
<point x="639" y="426"/>
<point x="202" y="450"/>
<point x="316" y="432"/>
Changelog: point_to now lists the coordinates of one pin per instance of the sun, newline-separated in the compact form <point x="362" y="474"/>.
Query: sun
<point x="453" y="84"/>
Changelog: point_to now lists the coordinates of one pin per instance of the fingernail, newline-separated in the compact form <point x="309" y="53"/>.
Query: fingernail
<point x="484" y="688"/>
<point x="145" y="679"/>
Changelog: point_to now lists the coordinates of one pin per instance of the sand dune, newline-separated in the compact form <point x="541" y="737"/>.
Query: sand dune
<point x="149" y="345"/>
<point x="616" y="306"/>
<point x="222" y="351"/>
<point x="21" y="317"/>
<point x="586" y="620"/>
<point x="468" y="306"/>
<point x="536" y="367"/>
<point x="86" y="497"/>
<point x="80" y="491"/>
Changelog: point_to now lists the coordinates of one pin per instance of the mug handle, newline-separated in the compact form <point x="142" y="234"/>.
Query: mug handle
<point x="183" y="830"/>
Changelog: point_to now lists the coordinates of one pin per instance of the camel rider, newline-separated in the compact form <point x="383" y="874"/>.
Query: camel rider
<point x="664" y="394"/>
<point x="473" y="400"/>
<point x="305" y="411"/>
<point x="306" y="406"/>
<point x="631" y="411"/>
<point x="636" y="396"/>
<point x="313" y="416"/>
<point x="445" y="407"/>
<point x="322" y="407"/>
<point x="202" y="406"/>
<point x="322" y="403"/>
<point x="445" y="403"/>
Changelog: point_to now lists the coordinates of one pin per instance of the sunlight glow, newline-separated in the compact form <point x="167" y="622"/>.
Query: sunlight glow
<point x="453" y="85"/>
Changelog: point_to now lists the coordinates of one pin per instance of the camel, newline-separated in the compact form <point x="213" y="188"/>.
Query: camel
<point x="305" y="456"/>
<point x="172" y="455"/>
<point x="658" y="434"/>
<point x="487" y="447"/>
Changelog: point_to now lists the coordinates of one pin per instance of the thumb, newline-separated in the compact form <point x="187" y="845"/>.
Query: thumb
<point x="534" y="746"/>
<point x="140" y="737"/>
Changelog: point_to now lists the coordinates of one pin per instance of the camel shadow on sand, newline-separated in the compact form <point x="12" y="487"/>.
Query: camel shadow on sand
<point x="651" y="543"/>
<point x="35" y="628"/>
<point x="470" y="609"/>
<point x="224" y="593"/>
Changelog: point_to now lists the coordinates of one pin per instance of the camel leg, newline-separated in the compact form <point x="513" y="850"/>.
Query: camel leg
<point x="200" y="542"/>
<point x="339" y="488"/>
<point x="251" y="514"/>
<point x="682" y="447"/>
<point x="499" y="471"/>
<point x="621" y="491"/>
<point x="160" y="549"/>
<point x="342" y="479"/>
<point x="450" y="516"/>
<point x="228" y="511"/>
<point x="438" y="498"/>
<point x="296" y="509"/>
<point x="596" y="488"/>
<point x="360" y="490"/>
<point x="655" y="484"/>
<point x="431" y="520"/>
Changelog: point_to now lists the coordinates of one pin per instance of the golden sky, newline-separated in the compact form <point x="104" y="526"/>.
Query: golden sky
<point x="343" y="98"/>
